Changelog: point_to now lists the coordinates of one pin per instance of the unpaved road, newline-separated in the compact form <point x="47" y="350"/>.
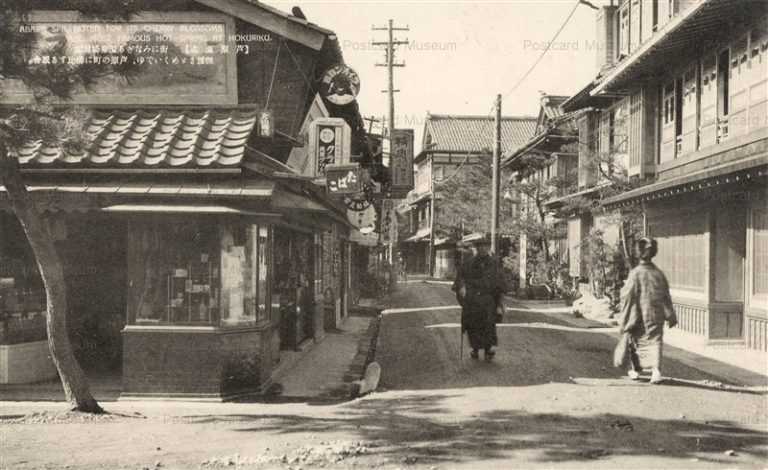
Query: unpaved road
<point x="549" y="399"/>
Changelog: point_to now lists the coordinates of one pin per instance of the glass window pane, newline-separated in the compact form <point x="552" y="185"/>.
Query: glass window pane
<point x="238" y="296"/>
<point x="263" y="288"/>
<point x="174" y="273"/>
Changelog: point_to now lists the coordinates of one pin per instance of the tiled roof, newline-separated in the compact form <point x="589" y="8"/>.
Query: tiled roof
<point x="550" y="105"/>
<point x="162" y="138"/>
<point x="475" y="133"/>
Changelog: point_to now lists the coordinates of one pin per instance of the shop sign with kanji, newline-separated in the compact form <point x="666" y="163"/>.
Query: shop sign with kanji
<point x="344" y="179"/>
<point x="401" y="161"/>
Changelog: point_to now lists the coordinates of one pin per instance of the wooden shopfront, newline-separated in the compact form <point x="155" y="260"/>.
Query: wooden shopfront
<point x="194" y="250"/>
<point x="193" y="289"/>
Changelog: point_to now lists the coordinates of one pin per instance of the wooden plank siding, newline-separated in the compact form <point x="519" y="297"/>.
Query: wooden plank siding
<point x="688" y="141"/>
<point x="636" y="127"/>
<point x="737" y="117"/>
<point x="708" y="101"/>
<point x="589" y="142"/>
<point x="758" y="76"/>
<point x="668" y="118"/>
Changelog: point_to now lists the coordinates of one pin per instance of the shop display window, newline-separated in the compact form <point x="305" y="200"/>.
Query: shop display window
<point x="245" y="274"/>
<point x="175" y="273"/>
<point x="23" y="306"/>
<point x="202" y="273"/>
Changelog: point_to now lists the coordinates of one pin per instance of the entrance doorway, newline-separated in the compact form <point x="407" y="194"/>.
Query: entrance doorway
<point x="92" y="248"/>
<point x="730" y="249"/>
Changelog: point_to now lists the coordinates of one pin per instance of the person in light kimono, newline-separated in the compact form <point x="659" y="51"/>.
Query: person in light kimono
<point x="645" y="306"/>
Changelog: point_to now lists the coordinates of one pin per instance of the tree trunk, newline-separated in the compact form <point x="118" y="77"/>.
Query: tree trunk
<point x="624" y="246"/>
<point x="73" y="379"/>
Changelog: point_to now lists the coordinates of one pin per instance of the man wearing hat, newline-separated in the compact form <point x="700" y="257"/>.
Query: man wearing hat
<point x="479" y="286"/>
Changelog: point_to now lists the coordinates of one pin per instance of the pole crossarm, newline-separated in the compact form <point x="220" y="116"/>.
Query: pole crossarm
<point x="391" y="43"/>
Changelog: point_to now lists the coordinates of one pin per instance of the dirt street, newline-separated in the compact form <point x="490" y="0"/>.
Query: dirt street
<point x="549" y="399"/>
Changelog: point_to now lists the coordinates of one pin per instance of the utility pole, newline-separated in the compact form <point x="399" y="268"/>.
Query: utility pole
<point x="371" y="120"/>
<point x="390" y="63"/>
<point x="432" y="215"/>
<point x="496" y="186"/>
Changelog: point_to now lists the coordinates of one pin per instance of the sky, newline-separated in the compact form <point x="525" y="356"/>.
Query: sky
<point x="461" y="53"/>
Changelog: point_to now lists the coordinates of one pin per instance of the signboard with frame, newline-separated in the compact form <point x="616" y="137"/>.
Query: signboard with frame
<point x="385" y="228"/>
<point x="340" y="85"/>
<point x="330" y="143"/>
<point x="401" y="160"/>
<point x="344" y="179"/>
<point x="179" y="57"/>
<point x="266" y="124"/>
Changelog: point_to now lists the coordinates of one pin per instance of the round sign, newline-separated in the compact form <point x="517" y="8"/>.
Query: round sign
<point x="327" y="136"/>
<point x="340" y="85"/>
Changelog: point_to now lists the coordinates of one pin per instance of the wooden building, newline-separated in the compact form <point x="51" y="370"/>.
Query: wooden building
<point x="683" y="101"/>
<point x="550" y="160"/>
<point x="449" y="143"/>
<point x="197" y="236"/>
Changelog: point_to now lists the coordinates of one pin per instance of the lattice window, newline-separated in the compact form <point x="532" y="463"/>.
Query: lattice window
<point x="681" y="251"/>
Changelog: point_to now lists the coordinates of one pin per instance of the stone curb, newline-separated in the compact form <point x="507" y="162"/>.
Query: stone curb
<point x="366" y="353"/>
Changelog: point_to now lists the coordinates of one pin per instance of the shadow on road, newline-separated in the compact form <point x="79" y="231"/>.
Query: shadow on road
<point x="422" y="352"/>
<point x="415" y="426"/>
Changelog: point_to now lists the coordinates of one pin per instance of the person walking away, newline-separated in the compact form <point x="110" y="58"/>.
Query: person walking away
<point x="646" y="305"/>
<point x="464" y="254"/>
<point x="479" y="287"/>
<point x="458" y="287"/>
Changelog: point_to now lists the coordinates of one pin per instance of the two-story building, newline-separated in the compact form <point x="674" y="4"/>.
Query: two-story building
<point x="449" y="143"/>
<point x="682" y="102"/>
<point x="548" y="163"/>
<point x="197" y="236"/>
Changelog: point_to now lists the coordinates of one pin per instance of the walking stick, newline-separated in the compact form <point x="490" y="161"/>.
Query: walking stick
<point x="461" y="345"/>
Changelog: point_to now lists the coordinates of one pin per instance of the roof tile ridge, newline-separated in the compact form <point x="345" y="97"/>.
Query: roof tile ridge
<point x="172" y="141"/>
<point x="131" y="118"/>
<point x="150" y="136"/>
<point x="206" y="117"/>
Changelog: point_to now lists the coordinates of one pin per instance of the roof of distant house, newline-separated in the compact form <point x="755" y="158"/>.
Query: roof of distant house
<point x="453" y="133"/>
<point x="550" y="105"/>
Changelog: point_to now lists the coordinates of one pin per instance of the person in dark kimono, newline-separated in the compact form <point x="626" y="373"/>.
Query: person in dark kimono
<point x="479" y="289"/>
<point x="464" y="254"/>
<point x="646" y="304"/>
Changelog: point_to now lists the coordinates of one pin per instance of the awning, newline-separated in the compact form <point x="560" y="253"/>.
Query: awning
<point x="420" y="235"/>
<point x="260" y="188"/>
<point x="472" y="237"/>
<point x="555" y="202"/>
<point x="182" y="209"/>
<point x="419" y="197"/>
<point x="732" y="172"/>
<point x="287" y="200"/>
<point x="362" y="239"/>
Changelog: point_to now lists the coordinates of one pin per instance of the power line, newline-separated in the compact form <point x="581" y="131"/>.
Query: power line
<point x="535" y="64"/>
<point x="546" y="49"/>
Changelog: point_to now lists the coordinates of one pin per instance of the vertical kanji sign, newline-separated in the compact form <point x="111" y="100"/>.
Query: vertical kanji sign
<point x="330" y="143"/>
<point x="401" y="160"/>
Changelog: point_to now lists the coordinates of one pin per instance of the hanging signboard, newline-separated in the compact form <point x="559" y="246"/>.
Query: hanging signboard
<point x="266" y="124"/>
<point x="385" y="229"/>
<point x="344" y="179"/>
<point x="330" y="143"/>
<point x="180" y="58"/>
<point x="340" y="85"/>
<point x="401" y="162"/>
